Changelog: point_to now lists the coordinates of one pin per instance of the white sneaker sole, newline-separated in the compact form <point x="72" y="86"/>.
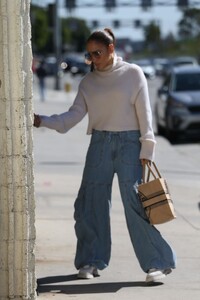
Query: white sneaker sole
<point x="87" y="275"/>
<point x="157" y="275"/>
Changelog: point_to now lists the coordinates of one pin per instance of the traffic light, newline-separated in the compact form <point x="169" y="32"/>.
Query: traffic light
<point x="110" y="4"/>
<point x="137" y="23"/>
<point x="146" y="3"/>
<point x="95" y="23"/>
<point x="116" y="23"/>
<point x="51" y="15"/>
<point x="182" y="3"/>
<point x="70" y="4"/>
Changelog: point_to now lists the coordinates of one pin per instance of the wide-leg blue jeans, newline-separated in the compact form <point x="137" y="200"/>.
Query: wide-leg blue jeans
<point x="110" y="153"/>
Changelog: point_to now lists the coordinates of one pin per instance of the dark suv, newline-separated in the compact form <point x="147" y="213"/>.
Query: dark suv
<point x="177" y="108"/>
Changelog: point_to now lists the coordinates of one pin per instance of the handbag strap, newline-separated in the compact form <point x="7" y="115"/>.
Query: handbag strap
<point x="156" y="168"/>
<point x="144" y="179"/>
<point x="156" y="173"/>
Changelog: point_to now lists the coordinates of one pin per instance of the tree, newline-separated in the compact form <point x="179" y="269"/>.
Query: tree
<point x="75" y="32"/>
<point x="189" y="25"/>
<point x="152" y="35"/>
<point x="40" y="29"/>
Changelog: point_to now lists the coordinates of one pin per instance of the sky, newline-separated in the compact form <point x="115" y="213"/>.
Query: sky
<point x="167" y="17"/>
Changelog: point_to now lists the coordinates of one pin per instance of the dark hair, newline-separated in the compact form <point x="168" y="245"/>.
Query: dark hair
<point x="105" y="37"/>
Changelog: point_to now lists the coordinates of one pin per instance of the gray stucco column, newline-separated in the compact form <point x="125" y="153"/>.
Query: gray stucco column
<point x="17" y="219"/>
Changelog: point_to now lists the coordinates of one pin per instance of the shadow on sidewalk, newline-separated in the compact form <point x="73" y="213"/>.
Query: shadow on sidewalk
<point x="45" y="285"/>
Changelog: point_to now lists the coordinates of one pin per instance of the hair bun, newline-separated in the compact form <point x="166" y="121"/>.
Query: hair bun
<point x="110" y="32"/>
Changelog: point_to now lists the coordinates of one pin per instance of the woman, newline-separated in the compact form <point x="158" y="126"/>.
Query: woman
<point x="115" y="96"/>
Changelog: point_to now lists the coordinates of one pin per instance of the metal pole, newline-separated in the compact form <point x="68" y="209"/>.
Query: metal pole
<point x="57" y="44"/>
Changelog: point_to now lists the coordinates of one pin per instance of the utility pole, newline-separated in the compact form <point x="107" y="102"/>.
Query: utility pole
<point x="17" y="215"/>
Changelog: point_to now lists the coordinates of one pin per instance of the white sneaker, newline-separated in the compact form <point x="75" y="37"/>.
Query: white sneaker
<point x="156" y="274"/>
<point x="88" y="272"/>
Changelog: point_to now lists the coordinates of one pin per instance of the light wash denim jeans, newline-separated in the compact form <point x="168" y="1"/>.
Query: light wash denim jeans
<point x="110" y="153"/>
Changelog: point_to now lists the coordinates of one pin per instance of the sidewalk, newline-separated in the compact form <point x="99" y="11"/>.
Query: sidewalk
<point x="59" y="161"/>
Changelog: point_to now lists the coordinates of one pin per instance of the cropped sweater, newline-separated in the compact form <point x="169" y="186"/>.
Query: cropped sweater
<point x="115" y="99"/>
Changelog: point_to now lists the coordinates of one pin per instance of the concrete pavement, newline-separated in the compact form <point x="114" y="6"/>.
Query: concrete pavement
<point x="59" y="161"/>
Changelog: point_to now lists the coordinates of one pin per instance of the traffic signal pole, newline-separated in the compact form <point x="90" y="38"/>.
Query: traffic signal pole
<point x="57" y="43"/>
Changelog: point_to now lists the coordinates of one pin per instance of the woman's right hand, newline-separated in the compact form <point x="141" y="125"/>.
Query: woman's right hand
<point x="145" y="161"/>
<point x="37" y="120"/>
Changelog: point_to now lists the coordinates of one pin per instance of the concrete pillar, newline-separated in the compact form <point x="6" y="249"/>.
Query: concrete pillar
<point x="17" y="230"/>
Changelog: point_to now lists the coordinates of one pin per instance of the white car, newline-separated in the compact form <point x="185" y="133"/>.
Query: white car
<point x="147" y="67"/>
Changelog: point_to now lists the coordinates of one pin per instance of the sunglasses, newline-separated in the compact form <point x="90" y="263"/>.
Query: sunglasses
<point x="93" y="54"/>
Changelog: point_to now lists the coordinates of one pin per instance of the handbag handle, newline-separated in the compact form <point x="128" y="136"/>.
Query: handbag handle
<point x="150" y="171"/>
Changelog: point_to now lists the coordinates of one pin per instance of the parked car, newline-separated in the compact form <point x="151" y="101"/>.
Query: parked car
<point x="147" y="67"/>
<point x="79" y="67"/>
<point x="70" y="59"/>
<point x="76" y="64"/>
<point x="180" y="61"/>
<point x="161" y="65"/>
<point x="177" y="109"/>
<point x="184" y="60"/>
<point x="50" y="64"/>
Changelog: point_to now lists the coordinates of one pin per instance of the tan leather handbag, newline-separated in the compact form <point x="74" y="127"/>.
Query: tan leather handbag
<point x="155" y="196"/>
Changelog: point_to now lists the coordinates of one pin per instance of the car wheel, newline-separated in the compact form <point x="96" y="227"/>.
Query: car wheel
<point x="172" y="135"/>
<point x="160" y="130"/>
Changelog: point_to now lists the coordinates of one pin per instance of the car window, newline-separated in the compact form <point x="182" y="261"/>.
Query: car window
<point x="187" y="82"/>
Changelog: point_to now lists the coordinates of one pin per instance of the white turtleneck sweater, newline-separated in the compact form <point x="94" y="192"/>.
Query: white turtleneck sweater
<point x="115" y="99"/>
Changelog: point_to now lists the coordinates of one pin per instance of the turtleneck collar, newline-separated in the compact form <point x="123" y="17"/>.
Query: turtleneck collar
<point x="111" y="67"/>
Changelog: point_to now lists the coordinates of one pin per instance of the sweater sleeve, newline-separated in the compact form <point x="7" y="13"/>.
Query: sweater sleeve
<point x="65" y="121"/>
<point x="144" y="114"/>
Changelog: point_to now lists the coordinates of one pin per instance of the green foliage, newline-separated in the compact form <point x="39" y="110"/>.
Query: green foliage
<point x="187" y="43"/>
<point x="189" y="32"/>
<point x="152" y="36"/>
<point x="189" y="25"/>
<point x="40" y="30"/>
<point x="152" y="32"/>
<point x="75" y="32"/>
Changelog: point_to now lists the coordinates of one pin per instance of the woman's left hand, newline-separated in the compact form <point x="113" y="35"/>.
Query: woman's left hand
<point x="37" y="120"/>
